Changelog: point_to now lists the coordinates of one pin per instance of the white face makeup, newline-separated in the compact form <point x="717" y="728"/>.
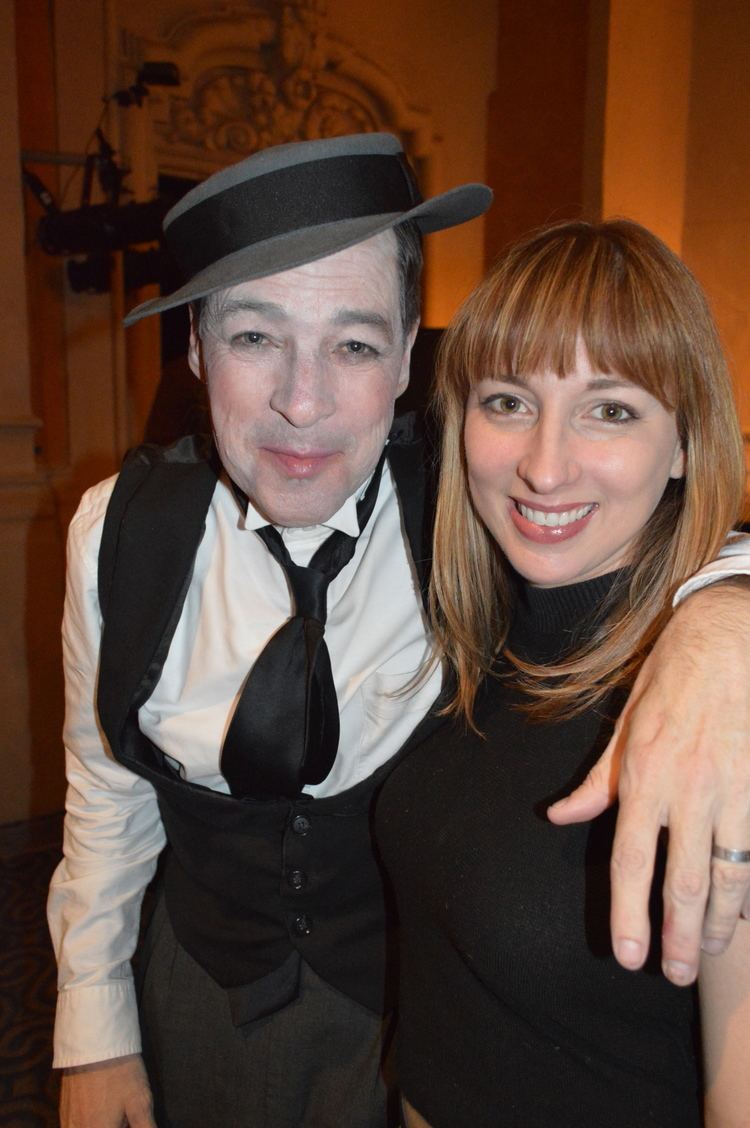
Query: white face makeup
<point x="566" y="472"/>
<point x="303" y="369"/>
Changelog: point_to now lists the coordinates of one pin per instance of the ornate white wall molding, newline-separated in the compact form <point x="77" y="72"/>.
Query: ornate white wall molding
<point x="262" y="73"/>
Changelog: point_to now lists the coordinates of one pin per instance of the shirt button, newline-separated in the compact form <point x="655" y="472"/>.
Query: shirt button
<point x="300" y="824"/>
<point x="297" y="878"/>
<point x="303" y="925"/>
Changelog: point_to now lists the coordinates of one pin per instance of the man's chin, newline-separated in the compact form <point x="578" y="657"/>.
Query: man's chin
<point x="305" y="506"/>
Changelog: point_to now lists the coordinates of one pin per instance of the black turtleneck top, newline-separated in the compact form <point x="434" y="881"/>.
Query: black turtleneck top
<point x="513" y="1010"/>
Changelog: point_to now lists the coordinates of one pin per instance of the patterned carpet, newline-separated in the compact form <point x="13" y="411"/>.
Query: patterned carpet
<point x="28" y="1088"/>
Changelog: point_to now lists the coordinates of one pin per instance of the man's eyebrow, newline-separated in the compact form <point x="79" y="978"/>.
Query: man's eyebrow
<point x="250" y="305"/>
<point x="341" y="318"/>
<point x="371" y="317"/>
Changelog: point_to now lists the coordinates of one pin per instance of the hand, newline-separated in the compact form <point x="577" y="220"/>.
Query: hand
<point x="107" y="1094"/>
<point x="680" y="757"/>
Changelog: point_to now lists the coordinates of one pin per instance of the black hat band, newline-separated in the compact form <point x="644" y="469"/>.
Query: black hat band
<point x="290" y="199"/>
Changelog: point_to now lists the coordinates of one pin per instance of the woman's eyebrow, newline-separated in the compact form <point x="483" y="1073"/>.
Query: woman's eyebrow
<point x="596" y="384"/>
<point x="605" y="383"/>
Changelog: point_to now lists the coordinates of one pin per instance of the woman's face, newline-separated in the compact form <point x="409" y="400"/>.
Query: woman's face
<point x="566" y="472"/>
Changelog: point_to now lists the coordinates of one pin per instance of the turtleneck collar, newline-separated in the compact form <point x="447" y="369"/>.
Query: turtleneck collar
<point x="549" y="621"/>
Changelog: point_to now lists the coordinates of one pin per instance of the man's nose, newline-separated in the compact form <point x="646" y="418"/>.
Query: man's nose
<point x="303" y="391"/>
<point x="550" y="458"/>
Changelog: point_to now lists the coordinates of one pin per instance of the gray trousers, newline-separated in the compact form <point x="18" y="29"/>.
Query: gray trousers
<point x="318" y="1063"/>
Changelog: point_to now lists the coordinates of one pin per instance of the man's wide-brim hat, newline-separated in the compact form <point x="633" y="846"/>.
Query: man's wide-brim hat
<point x="292" y="204"/>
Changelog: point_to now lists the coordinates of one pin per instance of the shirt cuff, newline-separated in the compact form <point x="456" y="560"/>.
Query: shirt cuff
<point x="95" y="1024"/>
<point x="734" y="560"/>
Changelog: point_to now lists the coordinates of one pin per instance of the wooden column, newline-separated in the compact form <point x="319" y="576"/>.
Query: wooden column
<point x="544" y="138"/>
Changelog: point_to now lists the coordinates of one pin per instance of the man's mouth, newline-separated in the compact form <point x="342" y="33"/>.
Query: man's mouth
<point x="554" y="520"/>
<point x="300" y="464"/>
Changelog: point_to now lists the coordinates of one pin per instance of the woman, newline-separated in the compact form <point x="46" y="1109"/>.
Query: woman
<point x="591" y="461"/>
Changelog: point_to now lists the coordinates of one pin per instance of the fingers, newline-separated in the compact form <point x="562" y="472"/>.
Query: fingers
<point x="634" y="847"/>
<point x="597" y="792"/>
<point x="703" y="896"/>
<point x="686" y="889"/>
<point x="729" y="898"/>
<point x="687" y="874"/>
<point x="639" y="822"/>
<point x="631" y="871"/>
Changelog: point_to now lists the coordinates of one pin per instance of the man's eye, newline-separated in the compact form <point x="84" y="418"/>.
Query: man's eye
<point x="357" y="348"/>
<point x="248" y="338"/>
<point x="613" y="413"/>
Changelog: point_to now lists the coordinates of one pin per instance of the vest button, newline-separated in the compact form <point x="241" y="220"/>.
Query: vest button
<point x="297" y="878"/>
<point x="303" y="925"/>
<point x="300" y="824"/>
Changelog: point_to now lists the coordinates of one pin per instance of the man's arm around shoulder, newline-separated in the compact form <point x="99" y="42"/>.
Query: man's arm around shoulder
<point x="680" y="758"/>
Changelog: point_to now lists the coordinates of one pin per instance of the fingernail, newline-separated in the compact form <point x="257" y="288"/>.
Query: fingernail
<point x="677" y="972"/>
<point x="712" y="946"/>
<point x="629" y="953"/>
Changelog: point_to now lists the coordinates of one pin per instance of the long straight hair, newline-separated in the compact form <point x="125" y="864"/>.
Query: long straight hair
<point x="640" y="314"/>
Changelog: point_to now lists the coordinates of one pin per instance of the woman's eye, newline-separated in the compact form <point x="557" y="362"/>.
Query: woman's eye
<point x="613" y="413"/>
<point x="504" y="404"/>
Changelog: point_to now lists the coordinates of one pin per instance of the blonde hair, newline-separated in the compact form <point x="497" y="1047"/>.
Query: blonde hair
<point x="641" y="314"/>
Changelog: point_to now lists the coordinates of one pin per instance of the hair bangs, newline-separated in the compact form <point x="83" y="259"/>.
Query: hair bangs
<point x="578" y="286"/>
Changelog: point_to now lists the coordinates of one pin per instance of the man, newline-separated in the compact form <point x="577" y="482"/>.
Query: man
<point x="254" y="688"/>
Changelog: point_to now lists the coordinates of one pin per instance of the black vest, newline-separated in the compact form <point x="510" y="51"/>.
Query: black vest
<point x="251" y="886"/>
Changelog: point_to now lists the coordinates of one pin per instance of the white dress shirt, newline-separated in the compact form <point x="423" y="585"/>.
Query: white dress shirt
<point x="238" y="597"/>
<point x="377" y="637"/>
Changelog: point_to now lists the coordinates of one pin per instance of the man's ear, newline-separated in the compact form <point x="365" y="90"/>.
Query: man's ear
<point x="403" y="376"/>
<point x="195" y="355"/>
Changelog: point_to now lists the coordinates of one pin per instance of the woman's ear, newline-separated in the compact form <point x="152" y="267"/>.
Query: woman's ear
<point x="678" y="461"/>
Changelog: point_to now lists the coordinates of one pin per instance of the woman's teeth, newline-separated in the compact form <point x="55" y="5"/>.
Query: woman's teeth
<point x="553" y="520"/>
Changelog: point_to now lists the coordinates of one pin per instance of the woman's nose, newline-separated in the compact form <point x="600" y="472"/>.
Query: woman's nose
<point x="549" y="460"/>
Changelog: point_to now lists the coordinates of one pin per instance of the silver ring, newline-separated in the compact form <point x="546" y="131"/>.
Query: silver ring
<point x="730" y="855"/>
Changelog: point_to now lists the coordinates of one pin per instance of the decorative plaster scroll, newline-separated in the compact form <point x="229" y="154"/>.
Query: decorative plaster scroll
<point x="263" y="73"/>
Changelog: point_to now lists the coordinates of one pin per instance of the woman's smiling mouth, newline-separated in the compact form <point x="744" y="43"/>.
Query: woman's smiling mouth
<point x="549" y="526"/>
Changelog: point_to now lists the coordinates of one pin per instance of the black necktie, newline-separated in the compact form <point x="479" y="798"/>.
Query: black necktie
<point x="285" y="730"/>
